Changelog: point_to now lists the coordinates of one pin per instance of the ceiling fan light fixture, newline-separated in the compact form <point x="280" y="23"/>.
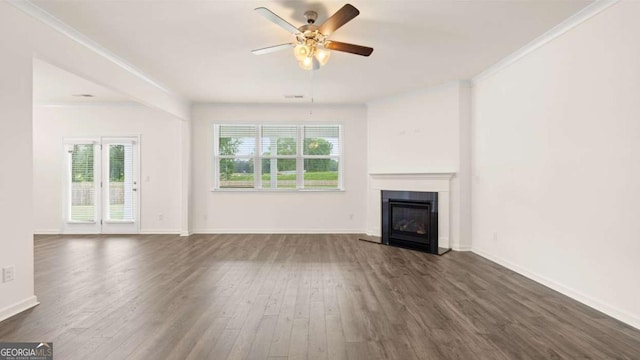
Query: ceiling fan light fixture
<point x="306" y="63"/>
<point x="301" y="51"/>
<point x="309" y="63"/>
<point x="322" y="55"/>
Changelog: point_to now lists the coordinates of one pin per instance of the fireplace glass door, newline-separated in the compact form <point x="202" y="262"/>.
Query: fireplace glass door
<point x="410" y="221"/>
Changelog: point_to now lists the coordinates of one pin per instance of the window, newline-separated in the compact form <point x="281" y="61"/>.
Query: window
<point x="277" y="157"/>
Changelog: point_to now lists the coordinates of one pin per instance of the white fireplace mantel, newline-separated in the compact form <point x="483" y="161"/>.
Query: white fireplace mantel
<point x="434" y="175"/>
<point x="414" y="181"/>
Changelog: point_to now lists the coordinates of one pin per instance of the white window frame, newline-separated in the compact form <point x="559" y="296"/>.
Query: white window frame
<point x="257" y="158"/>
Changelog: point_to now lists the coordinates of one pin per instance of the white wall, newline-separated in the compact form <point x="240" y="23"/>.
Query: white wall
<point x="415" y="132"/>
<point x="280" y="212"/>
<point x="160" y="159"/>
<point x="16" y="245"/>
<point x="420" y="132"/>
<point x="556" y="144"/>
<point x="21" y="37"/>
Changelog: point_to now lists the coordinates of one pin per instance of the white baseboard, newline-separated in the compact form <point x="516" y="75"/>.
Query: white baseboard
<point x="18" y="307"/>
<point x="461" y="247"/>
<point x="159" y="232"/>
<point x="47" y="232"/>
<point x="277" y="231"/>
<point x="186" y="233"/>
<point x="142" y="232"/>
<point x="612" y="311"/>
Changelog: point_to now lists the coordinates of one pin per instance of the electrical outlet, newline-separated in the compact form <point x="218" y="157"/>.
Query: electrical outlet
<point x="350" y="216"/>
<point x="8" y="273"/>
<point x="495" y="237"/>
<point x="161" y="217"/>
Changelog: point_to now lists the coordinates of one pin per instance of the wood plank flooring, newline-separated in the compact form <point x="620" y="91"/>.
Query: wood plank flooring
<point x="297" y="297"/>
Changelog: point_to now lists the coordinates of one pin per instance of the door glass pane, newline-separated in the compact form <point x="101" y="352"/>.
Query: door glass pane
<point x="83" y="191"/>
<point x="120" y="206"/>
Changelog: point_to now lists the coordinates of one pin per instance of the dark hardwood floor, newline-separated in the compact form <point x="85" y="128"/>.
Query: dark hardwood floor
<point x="297" y="296"/>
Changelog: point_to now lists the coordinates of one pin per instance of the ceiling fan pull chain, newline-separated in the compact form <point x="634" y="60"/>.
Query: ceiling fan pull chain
<point x="312" y="99"/>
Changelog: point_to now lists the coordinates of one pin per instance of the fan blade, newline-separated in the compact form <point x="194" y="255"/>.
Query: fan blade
<point x="350" y="48"/>
<point x="271" y="49"/>
<point x="277" y="20"/>
<point x="341" y="17"/>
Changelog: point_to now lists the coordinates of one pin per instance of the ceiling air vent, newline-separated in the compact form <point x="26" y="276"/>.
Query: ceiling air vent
<point x="294" y="96"/>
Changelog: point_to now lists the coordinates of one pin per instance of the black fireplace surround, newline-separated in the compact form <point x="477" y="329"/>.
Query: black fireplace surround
<point x="410" y="220"/>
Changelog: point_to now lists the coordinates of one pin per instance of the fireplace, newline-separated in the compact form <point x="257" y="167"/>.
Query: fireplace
<point x="410" y="220"/>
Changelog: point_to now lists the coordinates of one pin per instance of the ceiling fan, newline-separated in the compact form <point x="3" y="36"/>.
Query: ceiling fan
<point x="311" y="47"/>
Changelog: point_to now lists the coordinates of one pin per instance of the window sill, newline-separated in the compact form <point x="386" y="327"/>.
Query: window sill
<point x="252" y="190"/>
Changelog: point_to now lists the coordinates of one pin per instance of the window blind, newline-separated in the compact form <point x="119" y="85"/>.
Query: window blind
<point x="237" y="140"/>
<point x="322" y="140"/>
<point x="120" y="206"/>
<point x="83" y="189"/>
<point x="279" y="140"/>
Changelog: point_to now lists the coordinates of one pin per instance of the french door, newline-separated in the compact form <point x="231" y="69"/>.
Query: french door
<point x="101" y="187"/>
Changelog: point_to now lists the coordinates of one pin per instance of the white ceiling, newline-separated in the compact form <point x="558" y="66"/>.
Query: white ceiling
<point x="201" y="49"/>
<point x="52" y="85"/>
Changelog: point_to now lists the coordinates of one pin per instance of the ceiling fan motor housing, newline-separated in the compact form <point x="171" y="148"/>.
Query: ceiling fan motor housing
<point x="311" y="16"/>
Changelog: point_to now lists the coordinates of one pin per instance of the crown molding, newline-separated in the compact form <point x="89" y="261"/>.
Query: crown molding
<point x="578" y="18"/>
<point x="446" y="175"/>
<point x="71" y="104"/>
<point x="48" y="19"/>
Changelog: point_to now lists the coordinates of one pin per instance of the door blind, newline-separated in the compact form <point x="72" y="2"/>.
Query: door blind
<point x="83" y="189"/>
<point x="121" y="185"/>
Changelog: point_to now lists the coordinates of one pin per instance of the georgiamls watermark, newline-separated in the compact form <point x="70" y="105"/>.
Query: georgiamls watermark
<point x="26" y="351"/>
